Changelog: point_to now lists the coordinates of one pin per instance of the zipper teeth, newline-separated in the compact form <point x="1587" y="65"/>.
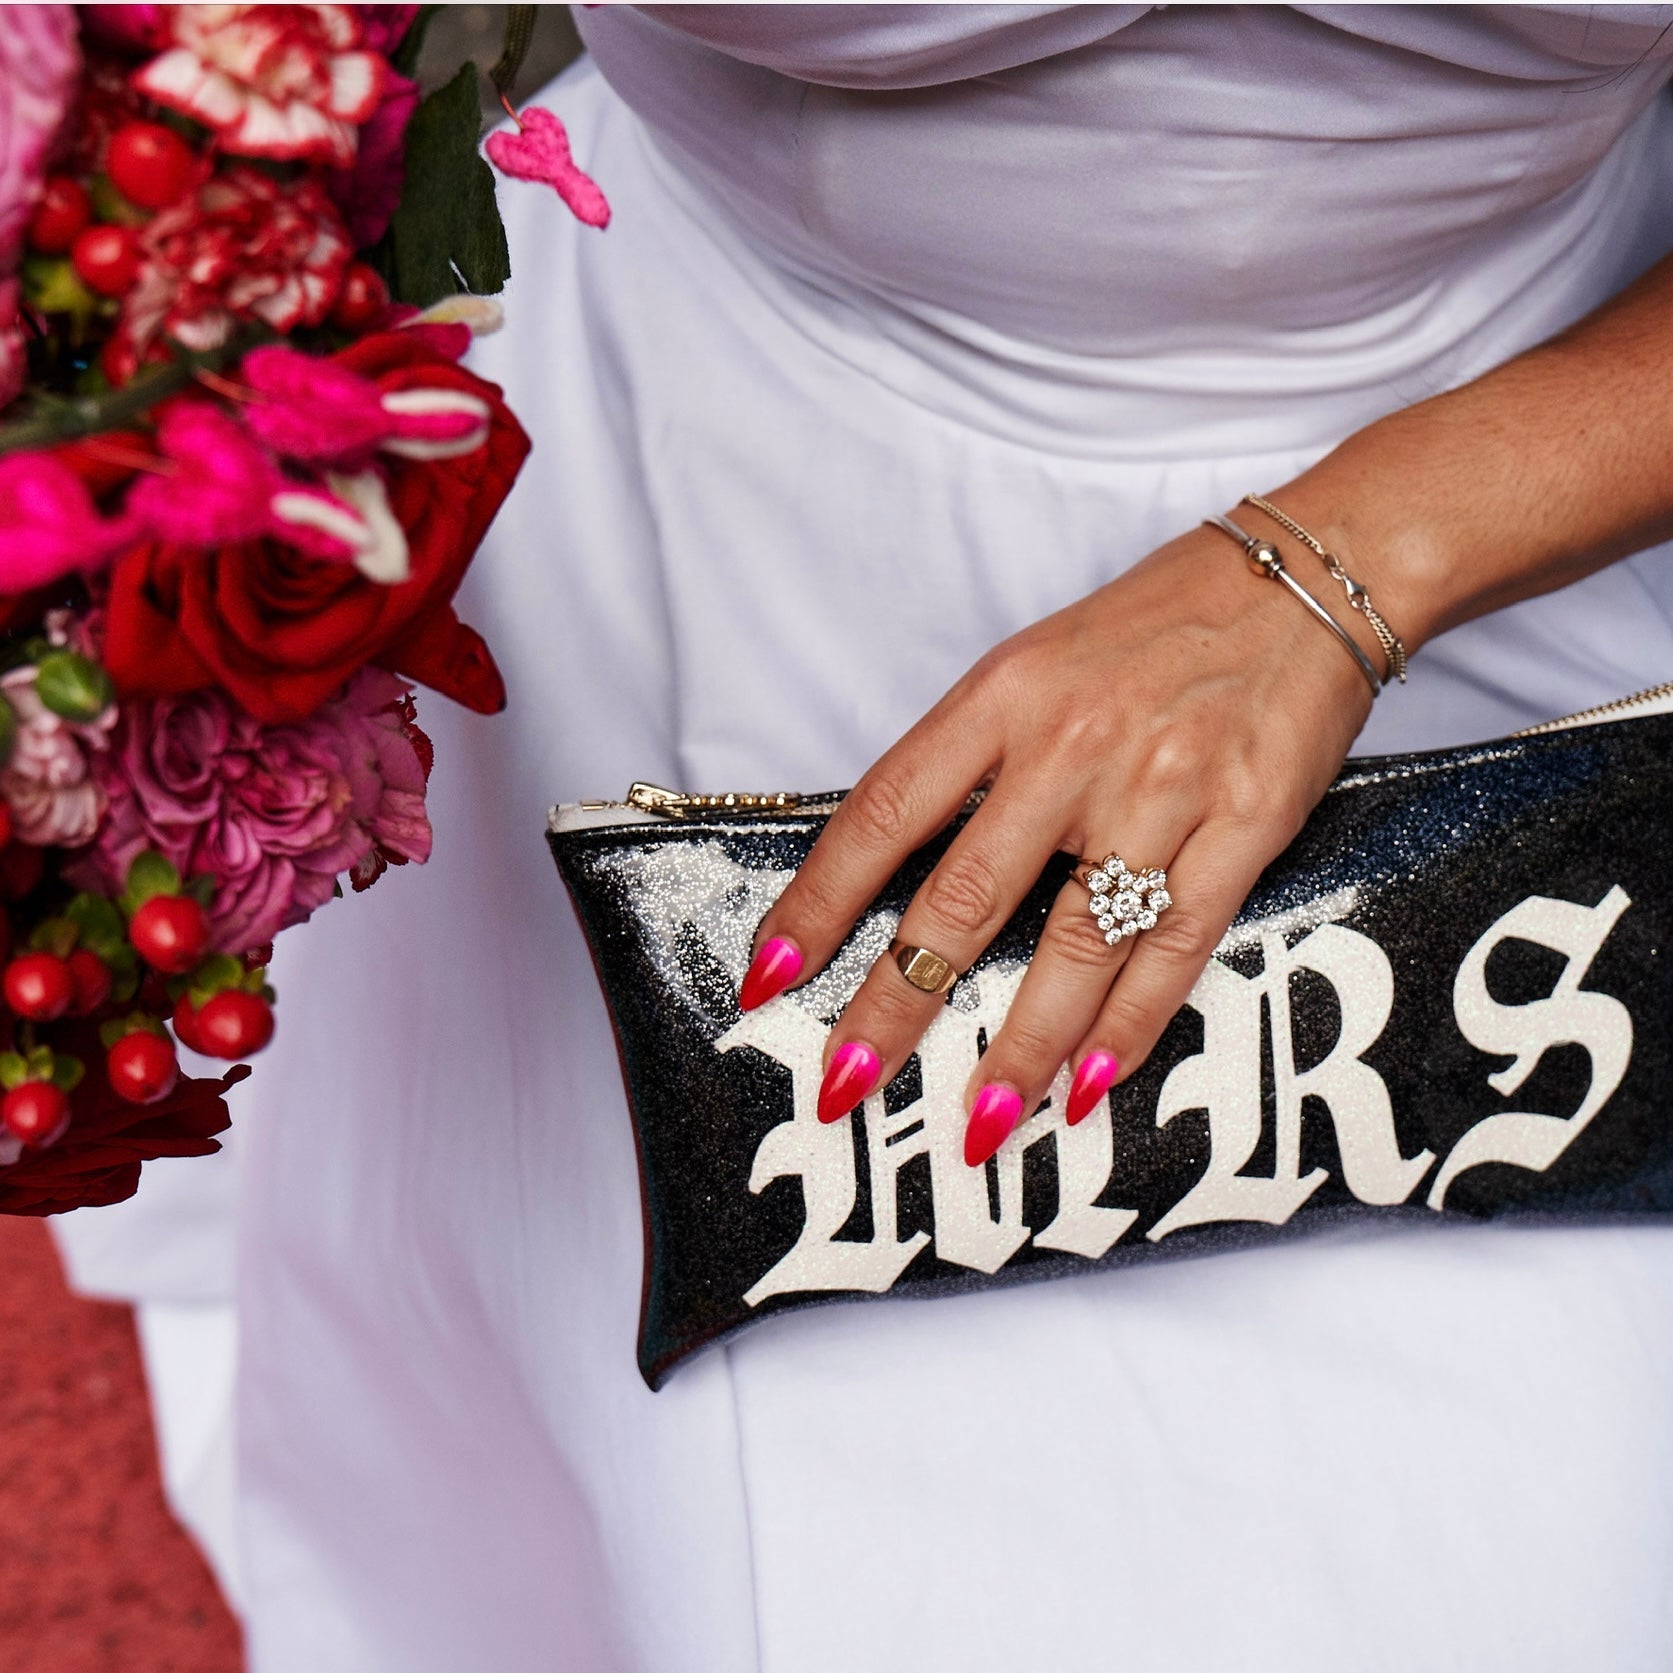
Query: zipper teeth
<point x="1601" y="712"/>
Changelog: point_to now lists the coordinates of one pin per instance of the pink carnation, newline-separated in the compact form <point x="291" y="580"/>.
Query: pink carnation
<point x="54" y="798"/>
<point x="275" y="814"/>
<point x="39" y="64"/>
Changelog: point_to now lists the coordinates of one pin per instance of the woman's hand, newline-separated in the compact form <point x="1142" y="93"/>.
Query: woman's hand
<point x="1188" y="716"/>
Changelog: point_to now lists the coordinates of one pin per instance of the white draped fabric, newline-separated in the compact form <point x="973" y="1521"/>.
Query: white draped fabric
<point x="912" y="325"/>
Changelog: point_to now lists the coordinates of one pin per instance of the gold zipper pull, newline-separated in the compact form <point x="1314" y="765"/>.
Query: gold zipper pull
<point x="652" y="798"/>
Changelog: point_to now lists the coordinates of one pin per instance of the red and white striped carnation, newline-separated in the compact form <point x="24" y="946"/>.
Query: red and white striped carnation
<point x="270" y="81"/>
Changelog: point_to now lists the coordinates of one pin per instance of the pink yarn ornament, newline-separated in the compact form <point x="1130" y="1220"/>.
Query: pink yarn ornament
<point x="540" y="151"/>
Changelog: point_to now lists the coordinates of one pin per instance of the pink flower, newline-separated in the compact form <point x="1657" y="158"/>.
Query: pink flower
<point x="368" y="191"/>
<point x="50" y="523"/>
<point x="39" y="64"/>
<point x="127" y="28"/>
<point x="270" y="81"/>
<point x="385" y="27"/>
<point x="539" y="150"/>
<point x="322" y="413"/>
<point x="243" y="247"/>
<point x="54" y="799"/>
<point x="273" y="813"/>
<point x="220" y="484"/>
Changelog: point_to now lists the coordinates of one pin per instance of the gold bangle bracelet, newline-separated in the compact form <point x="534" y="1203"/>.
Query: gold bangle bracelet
<point x="1264" y="560"/>
<point x="1358" y="597"/>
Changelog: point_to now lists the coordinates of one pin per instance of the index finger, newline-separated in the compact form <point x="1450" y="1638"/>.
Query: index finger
<point x="910" y="794"/>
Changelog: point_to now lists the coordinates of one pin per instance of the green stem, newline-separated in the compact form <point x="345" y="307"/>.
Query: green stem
<point x="519" y="31"/>
<point x="115" y="409"/>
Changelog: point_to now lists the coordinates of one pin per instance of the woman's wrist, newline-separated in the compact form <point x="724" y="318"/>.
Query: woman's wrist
<point x="1364" y="505"/>
<point x="1538" y="473"/>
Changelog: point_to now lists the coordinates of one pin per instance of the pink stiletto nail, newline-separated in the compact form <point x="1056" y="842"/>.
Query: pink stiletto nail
<point x="852" y="1074"/>
<point x="1095" y="1076"/>
<point x="995" y="1115"/>
<point x="773" y="969"/>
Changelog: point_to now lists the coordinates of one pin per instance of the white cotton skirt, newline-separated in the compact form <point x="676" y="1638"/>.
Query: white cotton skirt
<point x="768" y="520"/>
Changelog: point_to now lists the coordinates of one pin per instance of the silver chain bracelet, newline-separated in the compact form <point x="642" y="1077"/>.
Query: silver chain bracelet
<point x="1264" y="560"/>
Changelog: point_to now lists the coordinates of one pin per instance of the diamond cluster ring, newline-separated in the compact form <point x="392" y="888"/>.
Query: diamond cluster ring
<point x="1124" y="902"/>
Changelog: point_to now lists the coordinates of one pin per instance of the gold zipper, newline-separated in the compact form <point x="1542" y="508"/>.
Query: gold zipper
<point x="679" y="804"/>
<point x="683" y="804"/>
<point x="1603" y="711"/>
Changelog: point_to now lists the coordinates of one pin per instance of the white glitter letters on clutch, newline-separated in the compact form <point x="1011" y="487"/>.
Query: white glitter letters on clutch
<point x="1225" y="1079"/>
<point x="966" y="1233"/>
<point x="1601" y="1024"/>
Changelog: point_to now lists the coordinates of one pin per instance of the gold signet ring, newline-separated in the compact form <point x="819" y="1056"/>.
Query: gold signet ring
<point x="926" y="971"/>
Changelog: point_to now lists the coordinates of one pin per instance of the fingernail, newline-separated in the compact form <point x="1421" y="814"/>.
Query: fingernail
<point x="772" y="970"/>
<point x="1095" y="1076"/>
<point x="852" y="1074"/>
<point x="997" y="1111"/>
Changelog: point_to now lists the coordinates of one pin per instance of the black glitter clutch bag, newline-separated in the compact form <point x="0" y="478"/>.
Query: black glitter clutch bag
<point x="1451" y="995"/>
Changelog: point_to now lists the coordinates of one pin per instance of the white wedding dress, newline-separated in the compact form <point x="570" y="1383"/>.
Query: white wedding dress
<point x="913" y="324"/>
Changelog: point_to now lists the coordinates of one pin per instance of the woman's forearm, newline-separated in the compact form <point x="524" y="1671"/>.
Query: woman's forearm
<point x="1545" y="469"/>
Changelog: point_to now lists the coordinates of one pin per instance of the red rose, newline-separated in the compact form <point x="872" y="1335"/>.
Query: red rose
<point x="97" y="1161"/>
<point x="281" y="632"/>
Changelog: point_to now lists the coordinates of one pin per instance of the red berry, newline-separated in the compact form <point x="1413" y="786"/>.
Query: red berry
<point x="38" y="986"/>
<point x="107" y="258"/>
<point x="363" y="300"/>
<point x="90" y="977"/>
<point x="63" y="211"/>
<point x="118" y="361"/>
<point x="150" y="165"/>
<point x="171" y="933"/>
<point x="142" y="1067"/>
<point x="34" y="1111"/>
<point x="233" y="1024"/>
<point x="185" y="1020"/>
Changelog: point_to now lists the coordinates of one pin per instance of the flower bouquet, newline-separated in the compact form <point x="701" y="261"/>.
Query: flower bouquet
<point x="242" y="474"/>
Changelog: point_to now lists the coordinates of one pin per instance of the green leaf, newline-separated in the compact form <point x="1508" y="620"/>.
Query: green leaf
<point x="136" y="1022"/>
<point x="14" y="1071"/>
<point x="404" y="58"/>
<point x="201" y="889"/>
<point x="8" y="729"/>
<point x="67" y="1073"/>
<point x="448" y="217"/>
<point x="52" y="285"/>
<point x="99" y="926"/>
<point x="217" y="973"/>
<point x="73" y="686"/>
<point x="150" y="874"/>
<point x="37" y="1062"/>
<point x="53" y="935"/>
<point x="110" y="205"/>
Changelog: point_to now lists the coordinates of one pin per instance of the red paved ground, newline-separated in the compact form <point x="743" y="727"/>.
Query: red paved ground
<point x="95" y="1574"/>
